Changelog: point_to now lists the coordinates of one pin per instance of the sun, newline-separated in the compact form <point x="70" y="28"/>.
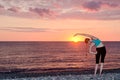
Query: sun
<point x="76" y="39"/>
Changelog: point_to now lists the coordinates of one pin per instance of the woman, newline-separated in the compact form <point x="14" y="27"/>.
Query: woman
<point x="100" y="48"/>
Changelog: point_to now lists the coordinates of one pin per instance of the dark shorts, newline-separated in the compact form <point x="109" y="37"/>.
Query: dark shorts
<point x="101" y="52"/>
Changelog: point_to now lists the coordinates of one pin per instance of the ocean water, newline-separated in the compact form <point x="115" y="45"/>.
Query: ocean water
<point x="53" y="55"/>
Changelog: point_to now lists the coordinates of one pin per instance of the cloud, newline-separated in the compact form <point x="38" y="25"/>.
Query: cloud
<point x="25" y="29"/>
<point x="104" y="10"/>
<point x="92" y="5"/>
<point x="40" y="11"/>
<point x="69" y="9"/>
<point x="102" y="15"/>
<point x="14" y="9"/>
<point x="112" y="4"/>
<point x="1" y="6"/>
<point x="97" y="5"/>
<point x="37" y="29"/>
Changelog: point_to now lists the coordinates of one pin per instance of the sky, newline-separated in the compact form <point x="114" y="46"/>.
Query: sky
<point x="59" y="20"/>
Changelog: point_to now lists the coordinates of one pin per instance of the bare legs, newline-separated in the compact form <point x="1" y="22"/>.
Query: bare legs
<point x="101" y="68"/>
<point x="101" y="53"/>
<point x="96" y="68"/>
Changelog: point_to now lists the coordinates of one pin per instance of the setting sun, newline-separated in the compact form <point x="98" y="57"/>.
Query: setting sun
<point x="76" y="39"/>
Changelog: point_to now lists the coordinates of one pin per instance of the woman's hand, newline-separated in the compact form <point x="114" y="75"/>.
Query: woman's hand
<point x="93" y="52"/>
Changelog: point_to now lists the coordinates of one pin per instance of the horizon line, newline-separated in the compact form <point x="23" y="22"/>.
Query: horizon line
<point x="49" y="41"/>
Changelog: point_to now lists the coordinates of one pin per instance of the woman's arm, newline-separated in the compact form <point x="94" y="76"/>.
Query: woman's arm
<point x="87" y="35"/>
<point x="90" y="48"/>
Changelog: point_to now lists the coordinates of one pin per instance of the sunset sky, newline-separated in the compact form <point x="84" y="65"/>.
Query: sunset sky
<point x="59" y="20"/>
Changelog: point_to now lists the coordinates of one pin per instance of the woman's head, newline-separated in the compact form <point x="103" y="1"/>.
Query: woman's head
<point x="87" y="40"/>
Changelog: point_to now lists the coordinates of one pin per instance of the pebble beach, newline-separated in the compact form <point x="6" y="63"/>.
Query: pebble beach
<point x="108" y="74"/>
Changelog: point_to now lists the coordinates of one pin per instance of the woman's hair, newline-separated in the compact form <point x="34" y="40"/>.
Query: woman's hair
<point x="87" y="40"/>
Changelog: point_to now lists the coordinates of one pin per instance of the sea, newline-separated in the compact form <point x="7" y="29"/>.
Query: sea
<point x="53" y="55"/>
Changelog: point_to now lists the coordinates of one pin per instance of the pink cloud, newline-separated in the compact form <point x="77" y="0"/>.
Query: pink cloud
<point x="14" y="9"/>
<point x="102" y="15"/>
<point x="77" y="9"/>
<point x="1" y="6"/>
<point x="40" y="11"/>
<point x="92" y="5"/>
<point x="25" y="29"/>
<point x="112" y="5"/>
<point x="97" y="5"/>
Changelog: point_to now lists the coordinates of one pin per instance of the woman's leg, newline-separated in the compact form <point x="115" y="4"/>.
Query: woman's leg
<point x="96" y="67"/>
<point x="97" y="63"/>
<point x="101" y="67"/>
<point x="103" y="54"/>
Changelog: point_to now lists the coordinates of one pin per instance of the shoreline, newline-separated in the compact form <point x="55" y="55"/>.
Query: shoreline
<point x="13" y="74"/>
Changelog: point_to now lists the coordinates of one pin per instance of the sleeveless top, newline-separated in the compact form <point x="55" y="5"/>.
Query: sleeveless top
<point x="98" y="43"/>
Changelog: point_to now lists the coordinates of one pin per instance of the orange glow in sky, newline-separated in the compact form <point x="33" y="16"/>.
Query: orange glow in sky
<point x="77" y="39"/>
<point x="59" y="20"/>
